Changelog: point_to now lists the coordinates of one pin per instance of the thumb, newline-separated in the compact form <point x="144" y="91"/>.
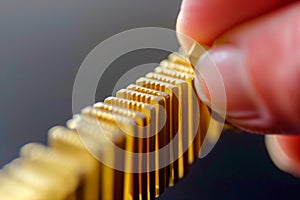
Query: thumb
<point x="259" y="63"/>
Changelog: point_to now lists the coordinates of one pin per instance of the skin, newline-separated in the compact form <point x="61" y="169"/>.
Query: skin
<point x="255" y="46"/>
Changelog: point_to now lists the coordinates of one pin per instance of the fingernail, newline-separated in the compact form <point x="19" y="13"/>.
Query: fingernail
<point x="223" y="82"/>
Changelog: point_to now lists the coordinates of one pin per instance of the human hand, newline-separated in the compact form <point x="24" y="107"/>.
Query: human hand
<point x="255" y="46"/>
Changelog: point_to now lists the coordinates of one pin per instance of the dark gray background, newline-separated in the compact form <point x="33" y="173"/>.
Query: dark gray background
<point x="42" y="44"/>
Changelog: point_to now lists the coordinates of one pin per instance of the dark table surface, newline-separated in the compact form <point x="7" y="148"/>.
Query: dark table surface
<point x="42" y="46"/>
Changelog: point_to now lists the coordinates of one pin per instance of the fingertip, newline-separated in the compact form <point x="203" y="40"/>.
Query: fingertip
<point x="206" y="20"/>
<point x="190" y="25"/>
<point x="260" y="73"/>
<point x="284" y="151"/>
<point x="183" y="35"/>
<point x="222" y="68"/>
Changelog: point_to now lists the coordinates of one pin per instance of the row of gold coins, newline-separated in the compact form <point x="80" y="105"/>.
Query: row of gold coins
<point x="129" y="147"/>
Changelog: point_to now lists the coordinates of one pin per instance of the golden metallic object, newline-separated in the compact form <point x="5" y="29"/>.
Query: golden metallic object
<point x="92" y="134"/>
<point x="150" y="113"/>
<point x="43" y="178"/>
<point x="182" y="131"/>
<point x="176" y="168"/>
<point x="69" y="142"/>
<point x="142" y="143"/>
<point x="192" y="104"/>
<point x="186" y="72"/>
<point x="179" y="58"/>
<point x="116" y="150"/>
<point x="58" y="161"/>
<point x="11" y="188"/>
<point x="162" y="174"/>
<point x="159" y="134"/>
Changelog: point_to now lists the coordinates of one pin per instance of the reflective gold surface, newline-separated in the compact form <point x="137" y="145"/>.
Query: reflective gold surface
<point x="93" y="156"/>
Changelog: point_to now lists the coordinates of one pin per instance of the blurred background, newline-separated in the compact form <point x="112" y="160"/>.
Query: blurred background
<point x="42" y="44"/>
